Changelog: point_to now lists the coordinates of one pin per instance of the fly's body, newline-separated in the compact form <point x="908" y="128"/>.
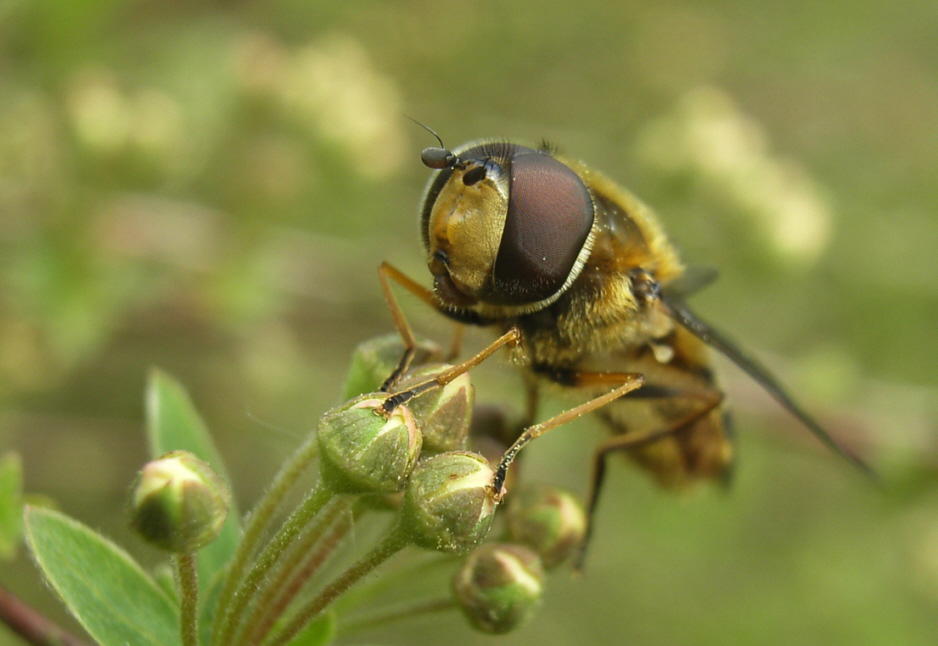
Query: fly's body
<point x="579" y="278"/>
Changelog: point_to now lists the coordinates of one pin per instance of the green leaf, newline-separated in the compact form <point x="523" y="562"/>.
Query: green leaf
<point x="321" y="631"/>
<point x="109" y="594"/>
<point x="11" y="504"/>
<point x="165" y="577"/>
<point x="174" y="424"/>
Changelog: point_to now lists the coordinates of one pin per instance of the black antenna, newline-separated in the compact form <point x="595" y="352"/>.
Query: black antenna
<point x="428" y="129"/>
<point x="437" y="158"/>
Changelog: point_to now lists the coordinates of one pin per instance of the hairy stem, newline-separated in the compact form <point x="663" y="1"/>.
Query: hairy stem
<point x="246" y="590"/>
<point x="295" y="569"/>
<point x="188" y="582"/>
<point x="397" y="613"/>
<point x="258" y="520"/>
<point x="395" y="540"/>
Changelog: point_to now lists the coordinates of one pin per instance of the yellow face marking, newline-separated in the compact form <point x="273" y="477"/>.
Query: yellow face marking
<point x="466" y="224"/>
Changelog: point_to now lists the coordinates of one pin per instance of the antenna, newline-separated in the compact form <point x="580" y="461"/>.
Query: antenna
<point x="438" y="158"/>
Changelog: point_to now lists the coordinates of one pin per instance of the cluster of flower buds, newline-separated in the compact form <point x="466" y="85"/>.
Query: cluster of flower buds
<point x="448" y="502"/>
<point x="407" y="446"/>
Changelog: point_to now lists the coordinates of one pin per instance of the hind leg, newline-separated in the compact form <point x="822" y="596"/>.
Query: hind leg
<point x="698" y="404"/>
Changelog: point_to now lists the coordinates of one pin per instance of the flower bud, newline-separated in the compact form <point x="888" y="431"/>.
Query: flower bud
<point x="548" y="520"/>
<point x="374" y="360"/>
<point x="499" y="587"/>
<point x="449" y="504"/>
<point x="178" y="503"/>
<point x="443" y="413"/>
<point x="364" y="450"/>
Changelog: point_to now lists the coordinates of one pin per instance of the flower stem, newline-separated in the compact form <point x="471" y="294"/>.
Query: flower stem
<point x="257" y="521"/>
<point x="34" y="627"/>
<point x="392" y="543"/>
<point x="188" y="582"/>
<point x="397" y="613"/>
<point x="294" y="569"/>
<point x="247" y="588"/>
<point x="428" y="565"/>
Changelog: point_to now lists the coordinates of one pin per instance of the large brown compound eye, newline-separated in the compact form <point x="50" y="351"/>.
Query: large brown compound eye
<point x="550" y="215"/>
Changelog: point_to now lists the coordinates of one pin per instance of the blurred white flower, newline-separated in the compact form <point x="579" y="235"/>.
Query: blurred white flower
<point x="332" y="89"/>
<point x="108" y="119"/>
<point x="99" y="111"/>
<point x="707" y="135"/>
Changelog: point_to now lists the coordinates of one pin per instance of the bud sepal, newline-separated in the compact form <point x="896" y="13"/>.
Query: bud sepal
<point x="444" y="412"/>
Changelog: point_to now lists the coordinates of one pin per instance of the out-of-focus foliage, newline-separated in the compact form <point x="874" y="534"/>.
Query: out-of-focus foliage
<point x="11" y="504"/>
<point x="211" y="186"/>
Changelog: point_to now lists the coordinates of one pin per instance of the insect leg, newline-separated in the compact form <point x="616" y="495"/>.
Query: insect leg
<point x="628" y="381"/>
<point x="708" y="399"/>
<point x="511" y="337"/>
<point x="514" y="428"/>
<point x="386" y="273"/>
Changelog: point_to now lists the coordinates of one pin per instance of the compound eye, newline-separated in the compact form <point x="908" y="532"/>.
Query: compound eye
<point x="550" y="214"/>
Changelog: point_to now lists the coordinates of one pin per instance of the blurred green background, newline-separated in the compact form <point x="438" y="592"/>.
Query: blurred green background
<point x="209" y="187"/>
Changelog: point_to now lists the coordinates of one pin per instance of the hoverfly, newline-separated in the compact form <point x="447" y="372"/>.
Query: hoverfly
<point x="580" y="279"/>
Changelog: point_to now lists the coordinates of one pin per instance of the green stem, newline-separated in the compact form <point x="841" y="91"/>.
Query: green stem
<point x="301" y="517"/>
<point x="399" y="613"/>
<point x="267" y="605"/>
<point x="258" y="520"/>
<point x="426" y="566"/>
<point x="188" y="581"/>
<point x="392" y="543"/>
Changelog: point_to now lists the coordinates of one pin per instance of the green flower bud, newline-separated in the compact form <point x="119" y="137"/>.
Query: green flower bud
<point x="499" y="587"/>
<point x="178" y="503"/>
<point x="363" y="450"/>
<point x="374" y="360"/>
<point x="549" y="521"/>
<point x="443" y="413"/>
<point x="449" y="503"/>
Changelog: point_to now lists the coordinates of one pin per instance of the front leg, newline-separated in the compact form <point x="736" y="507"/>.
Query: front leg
<point x="388" y="272"/>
